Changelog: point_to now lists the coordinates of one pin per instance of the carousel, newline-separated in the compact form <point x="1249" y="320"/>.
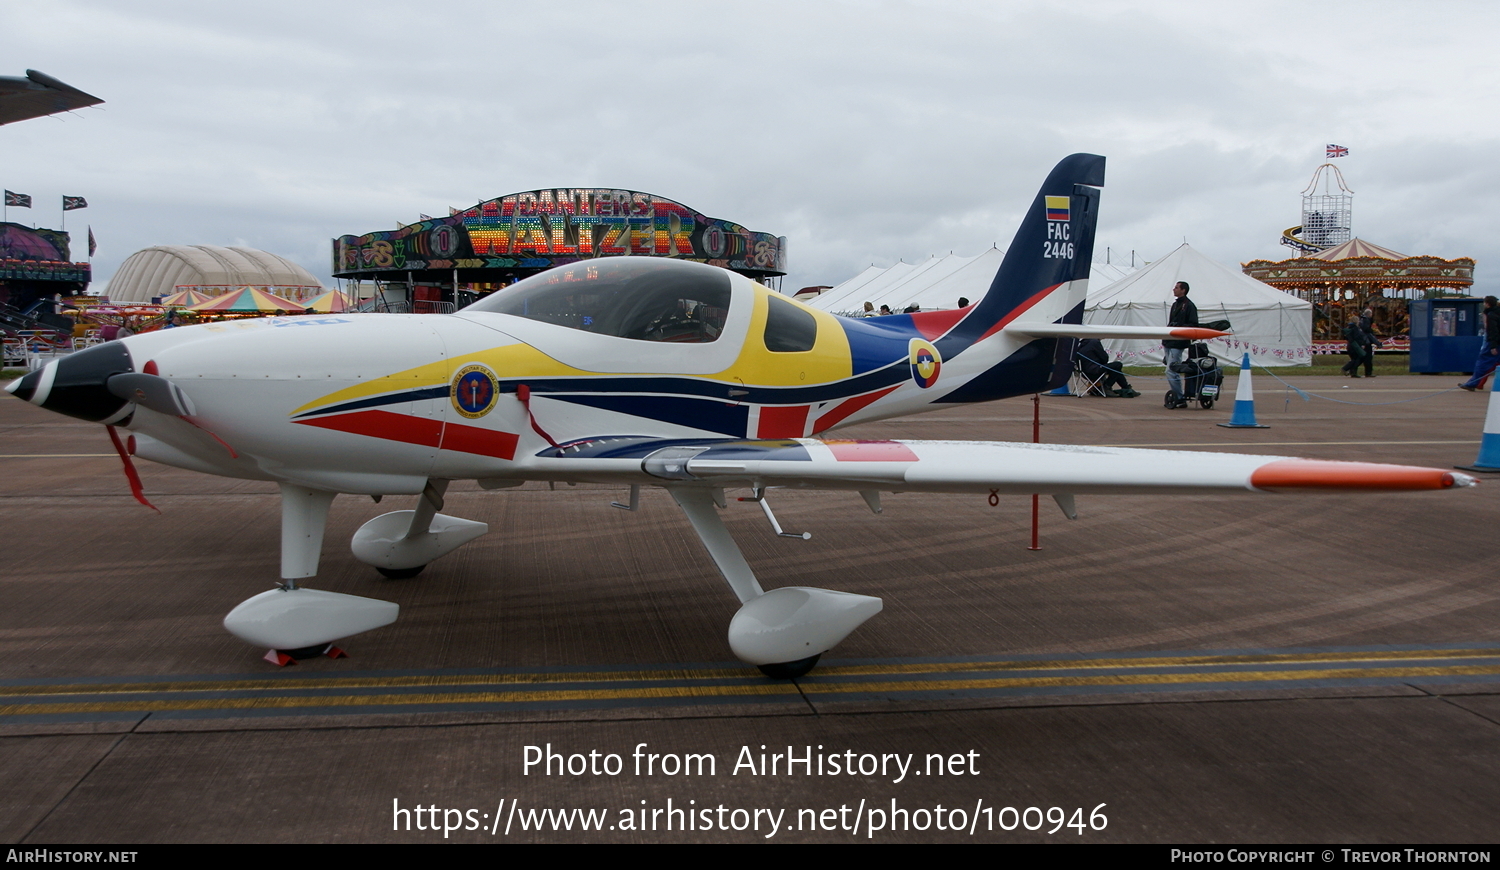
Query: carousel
<point x="1343" y="281"/>
<point x="1342" y="275"/>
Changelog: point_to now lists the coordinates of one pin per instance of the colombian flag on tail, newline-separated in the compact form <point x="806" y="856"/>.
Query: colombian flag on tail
<point x="1057" y="208"/>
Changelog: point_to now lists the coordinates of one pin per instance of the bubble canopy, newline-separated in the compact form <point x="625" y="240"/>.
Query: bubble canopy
<point x="639" y="298"/>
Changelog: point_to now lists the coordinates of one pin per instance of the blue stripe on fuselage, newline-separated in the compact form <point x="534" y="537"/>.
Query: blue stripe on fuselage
<point x="377" y="401"/>
<point x="704" y="414"/>
<point x="638" y="387"/>
<point x="878" y="341"/>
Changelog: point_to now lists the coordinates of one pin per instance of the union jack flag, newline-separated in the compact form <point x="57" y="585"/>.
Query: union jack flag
<point x="1337" y="151"/>
<point x="17" y="200"/>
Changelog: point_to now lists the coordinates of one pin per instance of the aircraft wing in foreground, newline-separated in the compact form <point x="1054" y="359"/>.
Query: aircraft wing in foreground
<point x="636" y="371"/>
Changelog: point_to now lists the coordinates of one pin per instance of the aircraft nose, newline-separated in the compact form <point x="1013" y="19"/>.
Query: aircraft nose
<point x="75" y="384"/>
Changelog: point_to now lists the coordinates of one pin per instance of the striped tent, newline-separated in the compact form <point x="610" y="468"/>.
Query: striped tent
<point x="185" y="299"/>
<point x="247" y="300"/>
<point x="331" y="302"/>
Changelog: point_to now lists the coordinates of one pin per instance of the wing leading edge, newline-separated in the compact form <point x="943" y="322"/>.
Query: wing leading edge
<point x="967" y="466"/>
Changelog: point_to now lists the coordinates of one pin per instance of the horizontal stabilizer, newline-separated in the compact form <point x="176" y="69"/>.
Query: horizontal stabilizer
<point x="1091" y="330"/>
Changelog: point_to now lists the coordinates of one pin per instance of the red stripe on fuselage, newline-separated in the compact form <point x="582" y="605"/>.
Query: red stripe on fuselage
<point x="422" y="431"/>
<point x="935" y="324"/>
<point x="782" y="421"/>
<point x="840" y="412"/>
<point x="383" y="424"/>
<point x="481" y="442"/>
<point x="1018" y="311"/>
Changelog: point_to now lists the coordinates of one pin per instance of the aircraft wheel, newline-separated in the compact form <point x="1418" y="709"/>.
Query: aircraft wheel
<point x="400" y="573"/>
<point x="790" y="670"/>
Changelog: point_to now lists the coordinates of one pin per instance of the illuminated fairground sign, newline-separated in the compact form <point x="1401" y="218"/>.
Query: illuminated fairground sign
<point x="540" y="229"/>
<point x="43" y="270"/>
<point x="33" y="254"/>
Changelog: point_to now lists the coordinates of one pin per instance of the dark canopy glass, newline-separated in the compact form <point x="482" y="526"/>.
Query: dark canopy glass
<point x="640" y="298"/>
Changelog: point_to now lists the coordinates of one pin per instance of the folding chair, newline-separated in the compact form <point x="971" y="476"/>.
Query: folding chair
<point x="1082" y="384"/>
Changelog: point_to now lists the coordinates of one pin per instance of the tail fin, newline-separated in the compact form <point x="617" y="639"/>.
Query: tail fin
<point x="1052" y="248"/>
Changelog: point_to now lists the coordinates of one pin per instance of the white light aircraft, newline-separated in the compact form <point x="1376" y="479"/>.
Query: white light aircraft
<point x="635" y="371"/>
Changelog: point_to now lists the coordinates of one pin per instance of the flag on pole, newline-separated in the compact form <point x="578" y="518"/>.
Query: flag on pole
<point x="92" y="247"/>
<point x="73" y="202"/>
<point x="1337" y="151"/>
<point x="17" y="200"/>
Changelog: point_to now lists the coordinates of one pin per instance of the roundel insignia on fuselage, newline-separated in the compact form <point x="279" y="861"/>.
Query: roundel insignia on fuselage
<point x="925" y="363"/>
<point x="474" y="391"/>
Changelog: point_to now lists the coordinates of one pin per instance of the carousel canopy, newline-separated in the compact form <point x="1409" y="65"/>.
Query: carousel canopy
<point x="1358" y="269"/>
<point x="1356" y="247"/>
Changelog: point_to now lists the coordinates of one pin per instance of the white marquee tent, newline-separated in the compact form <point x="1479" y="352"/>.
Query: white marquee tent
<point x="1275" y="327"/>
<point x="936" y="283"/>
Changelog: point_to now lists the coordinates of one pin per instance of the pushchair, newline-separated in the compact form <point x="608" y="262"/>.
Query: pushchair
<point x="1201" y="377"/>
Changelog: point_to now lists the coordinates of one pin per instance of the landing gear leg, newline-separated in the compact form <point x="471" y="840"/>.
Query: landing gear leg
<point x="304" y="516"/>
<point x="784" y="631"/>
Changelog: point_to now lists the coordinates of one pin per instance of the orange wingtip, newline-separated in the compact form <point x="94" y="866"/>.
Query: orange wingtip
<point x="1314" y="474"/>
<point x="1196" y="333"/>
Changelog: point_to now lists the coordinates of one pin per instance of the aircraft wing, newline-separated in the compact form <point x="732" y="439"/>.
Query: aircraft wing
<point x="967" y="466"/>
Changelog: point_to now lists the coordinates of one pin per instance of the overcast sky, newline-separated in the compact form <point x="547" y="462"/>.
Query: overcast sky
<point x="865" y="132"/>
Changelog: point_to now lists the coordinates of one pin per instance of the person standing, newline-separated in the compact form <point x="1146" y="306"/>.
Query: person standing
<point x="1354" y="345"/>
<point x="1183" y="313"/>
<point x="1489" y="353"/>
<point x="1367" y="326"/>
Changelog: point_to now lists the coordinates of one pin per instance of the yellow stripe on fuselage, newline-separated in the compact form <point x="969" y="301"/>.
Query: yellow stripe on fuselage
<point x="427" y="375"/>
<point x="521" y="361"/>
<point x="829" y="360"/>
<point x="510" y="361"/>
